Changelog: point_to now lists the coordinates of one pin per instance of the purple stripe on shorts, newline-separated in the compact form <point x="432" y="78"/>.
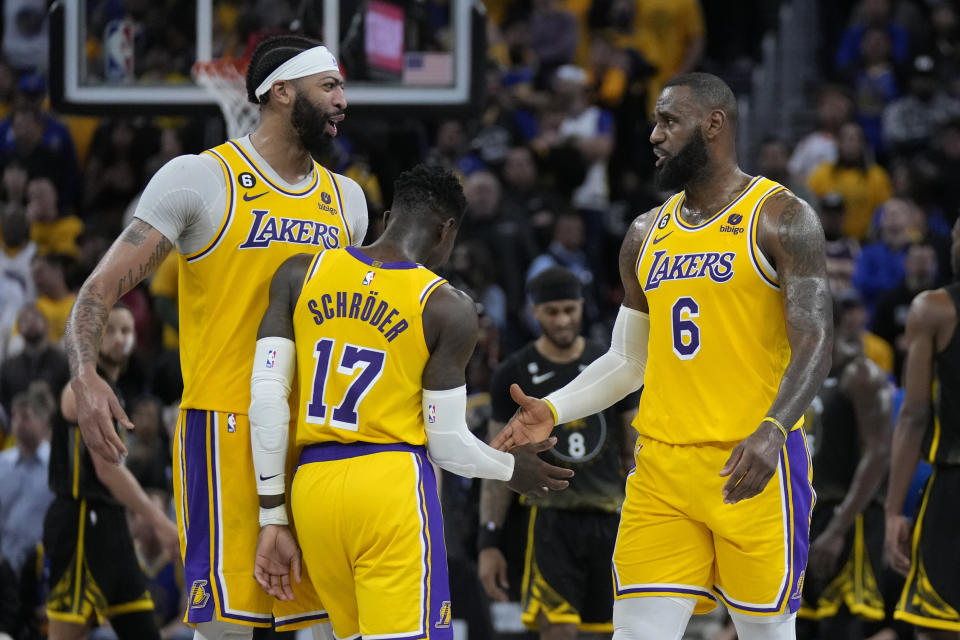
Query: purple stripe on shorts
<point x="327" y="451"/>
<point x="692" y="591"/>
<point x="196" y="572"/>
<point x="802" y="494"/>
<point x="319" y="617"/>
<point x="438" y="617"/>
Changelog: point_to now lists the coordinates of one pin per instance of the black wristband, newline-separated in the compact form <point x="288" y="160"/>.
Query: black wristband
<point x="489" y="537"/>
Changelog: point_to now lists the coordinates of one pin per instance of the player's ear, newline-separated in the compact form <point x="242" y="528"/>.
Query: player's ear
<point x="386" y="218"/>
<point x="283" y="92"/>
<point x="713" y="124"/>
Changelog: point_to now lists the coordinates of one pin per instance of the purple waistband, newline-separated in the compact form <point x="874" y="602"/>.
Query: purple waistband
<point x="327" y="451"/>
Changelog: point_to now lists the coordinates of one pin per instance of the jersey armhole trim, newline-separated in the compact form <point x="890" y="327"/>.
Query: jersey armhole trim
<point x="428" y="290"/>
<point x="761" y="265"/>
<point x="313" y="267"/>
<point x="227" y="215"/>
<point x="343" y="214"/>
<point x="650" y="232"/>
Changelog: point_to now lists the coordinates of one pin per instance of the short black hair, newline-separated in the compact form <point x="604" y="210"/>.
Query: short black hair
<point x="554" y="283"/>
<point x="429" y="190"/>
<point x="709" y="91"/>
<point x="269" y="54"/>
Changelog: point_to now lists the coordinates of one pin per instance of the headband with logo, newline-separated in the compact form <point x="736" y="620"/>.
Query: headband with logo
<point x="306" y="63"/>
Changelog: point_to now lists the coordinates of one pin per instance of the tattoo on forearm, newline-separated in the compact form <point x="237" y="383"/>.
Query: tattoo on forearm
<point x="144" y="269"/>
<point x="84" y="328"/>
<point x="135" y="233"/>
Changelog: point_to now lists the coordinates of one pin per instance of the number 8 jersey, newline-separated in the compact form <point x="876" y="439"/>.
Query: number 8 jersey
<point x="718" y="343"/>
<point x="361" y="349"/>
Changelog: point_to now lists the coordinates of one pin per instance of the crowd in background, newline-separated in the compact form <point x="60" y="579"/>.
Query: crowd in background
<point x="555" y="163"/>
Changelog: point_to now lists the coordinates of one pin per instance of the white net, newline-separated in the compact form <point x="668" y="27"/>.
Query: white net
<point x="225" y="80"/>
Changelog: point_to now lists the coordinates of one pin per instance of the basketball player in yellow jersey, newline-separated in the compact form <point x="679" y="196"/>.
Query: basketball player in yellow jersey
<point x="381" y="344"/>
<point x="727" y="322"/>
<point x="235" y="213"/>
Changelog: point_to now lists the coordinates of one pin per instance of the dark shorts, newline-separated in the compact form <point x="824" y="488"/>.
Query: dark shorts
<point x="931" y="595"/>
<point x="567" y="574"/>
<point x="94" y="573"/>
<point x="855" y="581"/>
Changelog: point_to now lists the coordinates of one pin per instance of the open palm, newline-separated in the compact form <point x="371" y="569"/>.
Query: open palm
<point x="532" y="422"/>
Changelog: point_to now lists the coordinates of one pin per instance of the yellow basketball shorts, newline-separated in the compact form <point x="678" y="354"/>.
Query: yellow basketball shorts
<point x="678" y="538"/>
<point x="371" y="532"/>
<point x="215" y="494"/>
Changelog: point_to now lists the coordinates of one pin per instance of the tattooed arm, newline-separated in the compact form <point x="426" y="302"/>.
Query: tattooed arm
<point x="134" y="255"/>
<point x="790" y="236"/>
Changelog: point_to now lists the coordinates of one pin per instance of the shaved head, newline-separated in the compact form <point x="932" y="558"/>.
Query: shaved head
<point x="709" y="92"/>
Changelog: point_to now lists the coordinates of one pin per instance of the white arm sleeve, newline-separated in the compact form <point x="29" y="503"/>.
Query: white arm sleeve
<point x="269" y="414"/>
<point x="611" y="376"/>
<point x="450" y="443"/>
<point x="185" y="201"/>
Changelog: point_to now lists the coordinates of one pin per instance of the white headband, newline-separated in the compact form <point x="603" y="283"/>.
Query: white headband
<point x="306" y="63"/>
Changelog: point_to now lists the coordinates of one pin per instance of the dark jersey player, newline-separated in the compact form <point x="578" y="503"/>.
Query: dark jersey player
<point x="569" y="535"/>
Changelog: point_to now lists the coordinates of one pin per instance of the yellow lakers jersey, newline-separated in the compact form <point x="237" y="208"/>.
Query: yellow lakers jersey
<point x="718" y="342"/>
<point x="223" y="289"/>
<point x="361" y="349"/>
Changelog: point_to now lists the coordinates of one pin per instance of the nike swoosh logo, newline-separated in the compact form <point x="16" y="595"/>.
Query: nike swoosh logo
<point x="543" y="377"/>
<point x="249" y="198"/>
<point x="262" y="479"/>
<point x="656" y="240"/>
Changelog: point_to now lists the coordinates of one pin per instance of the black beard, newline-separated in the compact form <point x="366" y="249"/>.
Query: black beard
<point x="680" y="170"/>
<point x="310" y="124"/>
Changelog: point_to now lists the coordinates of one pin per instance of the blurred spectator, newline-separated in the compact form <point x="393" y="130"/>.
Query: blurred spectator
<point x="474" y="272"/>
<point x="8" y="86"/>
<point x="772" y="160"/>
<point x="452" y="149"/>
<point x="16" y="279"/>
<point x="25" y="35"/>
<point x="39" y="360"/>
<point x="15" y="178"/>
<point x="855" y="317"/>
<point x="164" y="290"/>
<point x="9" y="602"/>
<point x="54" y="298"/>
<point x="945" y="155"/>
<point x="521" y="184"/>
<point x="608" y="70"/>
<point x="834" y="108"/>
<point x="841" y="250"/>
<point x="863" y="184"/>
<point x="589" y="129"/>
<point x="24" y="494"/>
<point x="875" y="14"/>
<point x="567" y="250"/>
<point x="43" y="147"/>
<point x="890" y="317"/>
<point x="945" y="44"/>
<point x="554" y="34"/>
<point x="51" y="231"/>
<point x="670" y="34"/>
<point x="874" y="82"/>
<point x="114" y="171"/>
<point x="909" y="122"/>
<point x="880" y="264"/>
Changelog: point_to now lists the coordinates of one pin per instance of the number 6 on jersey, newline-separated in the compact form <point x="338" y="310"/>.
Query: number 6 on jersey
<point x="368" y="361"/>
<point x="686" y="333"/>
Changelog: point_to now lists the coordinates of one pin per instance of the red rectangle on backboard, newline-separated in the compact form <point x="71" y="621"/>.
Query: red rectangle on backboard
<point x="383" y="27"/>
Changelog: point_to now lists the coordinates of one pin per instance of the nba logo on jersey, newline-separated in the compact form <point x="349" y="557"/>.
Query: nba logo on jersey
<point x="271" y="358"/>
<point x="231" y="422"/>
<point x="444" y="620"/>
<point x="431" y="413"/>
<point x="367" y="279"/>
<point x="198" y="594"/>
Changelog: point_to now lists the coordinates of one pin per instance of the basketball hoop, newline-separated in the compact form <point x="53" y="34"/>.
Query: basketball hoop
<point x="225" y="80"/>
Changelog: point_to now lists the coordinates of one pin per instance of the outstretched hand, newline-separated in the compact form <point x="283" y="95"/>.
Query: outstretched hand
<point x="278" y="556"/>
<point x="532" y="476"/>
<point x="532" y="422"/>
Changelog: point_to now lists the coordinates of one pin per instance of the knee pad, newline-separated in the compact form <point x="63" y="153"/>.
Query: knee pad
<point x="779" y="627"/>
<point x="222" y="630"/>
<point x="322" y="631"/>
<point x="651" y="618"/>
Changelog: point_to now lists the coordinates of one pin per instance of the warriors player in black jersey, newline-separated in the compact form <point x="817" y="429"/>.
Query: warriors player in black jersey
<point x="94" y="572"/>
<point x="570" y="535"/>
<point x="850" y="425"/>
<point x="929" y="425"/>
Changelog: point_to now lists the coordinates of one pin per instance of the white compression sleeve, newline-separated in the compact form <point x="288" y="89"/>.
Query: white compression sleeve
<point x="269" y="414"/>
<point x="450" y="443"/>
<point x="611" y="376"/>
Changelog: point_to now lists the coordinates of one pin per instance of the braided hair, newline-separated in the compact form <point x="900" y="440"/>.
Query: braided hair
<point x="269" y="54"/>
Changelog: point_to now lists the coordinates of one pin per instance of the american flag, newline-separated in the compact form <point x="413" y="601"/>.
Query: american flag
<point x="428" y="69"/>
